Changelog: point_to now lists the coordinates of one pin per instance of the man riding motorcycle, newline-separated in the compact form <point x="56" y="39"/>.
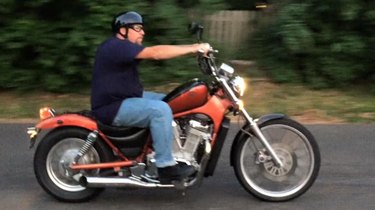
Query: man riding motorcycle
<point x="117" y="94"/>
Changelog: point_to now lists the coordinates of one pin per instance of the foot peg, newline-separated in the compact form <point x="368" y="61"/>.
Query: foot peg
<point x="180" y="186"/>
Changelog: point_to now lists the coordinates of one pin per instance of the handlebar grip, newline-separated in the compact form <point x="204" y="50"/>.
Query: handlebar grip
<point x="210" y="51"/>
<point x="201" y="51"/>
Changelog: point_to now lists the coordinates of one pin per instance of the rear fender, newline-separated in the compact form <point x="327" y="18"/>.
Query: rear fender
<point x="60" y="121"/>
<point x="67" y="120"/>
<point x="241" y="135"/>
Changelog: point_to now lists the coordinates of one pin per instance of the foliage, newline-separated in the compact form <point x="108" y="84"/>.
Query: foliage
<point x="51" y="44"/>
<point x="321" y="43"/>
<point x="244" y="4"/>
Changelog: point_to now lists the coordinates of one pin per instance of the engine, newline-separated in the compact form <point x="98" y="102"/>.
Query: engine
<point x="191" y="138"/>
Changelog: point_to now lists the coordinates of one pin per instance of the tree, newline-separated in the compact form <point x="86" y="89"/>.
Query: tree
<point x="244" y="4"/>
<point x="51" y="44"/>
<point x="320" y="43"/>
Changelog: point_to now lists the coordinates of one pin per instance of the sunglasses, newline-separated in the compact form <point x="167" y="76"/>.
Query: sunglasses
<point x="137" y="28"/>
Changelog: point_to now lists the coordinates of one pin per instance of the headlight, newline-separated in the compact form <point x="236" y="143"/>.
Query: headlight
<point x="238" y="85"/>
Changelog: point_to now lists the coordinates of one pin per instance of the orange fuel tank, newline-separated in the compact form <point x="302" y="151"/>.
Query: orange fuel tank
<point x="188" y="96"/>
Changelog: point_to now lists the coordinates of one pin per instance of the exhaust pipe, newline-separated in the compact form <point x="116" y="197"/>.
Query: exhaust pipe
<point x="118" y="182"/>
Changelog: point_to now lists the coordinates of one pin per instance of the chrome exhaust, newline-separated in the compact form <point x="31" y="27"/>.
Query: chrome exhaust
<point x="119" y="182"/>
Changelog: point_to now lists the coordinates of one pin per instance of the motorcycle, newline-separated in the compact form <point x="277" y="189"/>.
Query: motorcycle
<point x="274" y="157"/>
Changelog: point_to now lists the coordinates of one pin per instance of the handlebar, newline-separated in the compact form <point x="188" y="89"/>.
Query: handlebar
<point x="210" y="51"/>
<point x="207" y="62"/>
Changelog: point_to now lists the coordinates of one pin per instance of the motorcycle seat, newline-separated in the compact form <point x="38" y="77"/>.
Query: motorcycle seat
<point x="130" y="140"/>
<point x="115" y="131"/>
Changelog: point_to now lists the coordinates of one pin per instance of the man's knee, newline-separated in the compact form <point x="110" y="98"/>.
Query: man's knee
<point x="161" y="108"/>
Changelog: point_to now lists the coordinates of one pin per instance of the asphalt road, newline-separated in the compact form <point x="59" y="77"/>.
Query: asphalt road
<point x="346" y="179"/>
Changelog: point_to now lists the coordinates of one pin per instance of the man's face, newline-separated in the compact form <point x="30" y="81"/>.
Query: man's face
<point x="136" y="34"/>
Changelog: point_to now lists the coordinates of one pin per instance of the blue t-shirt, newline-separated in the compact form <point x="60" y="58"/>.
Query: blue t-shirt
<point x="115" y="77"/>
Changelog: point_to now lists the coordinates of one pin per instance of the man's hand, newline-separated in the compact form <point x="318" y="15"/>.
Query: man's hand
<point x="204" y="48"/>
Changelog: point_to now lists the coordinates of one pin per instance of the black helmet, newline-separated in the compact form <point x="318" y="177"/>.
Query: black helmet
<point x="125" y="19"/>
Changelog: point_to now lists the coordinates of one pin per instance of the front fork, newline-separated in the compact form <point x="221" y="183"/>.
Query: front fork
<point x="253" y="124"/>
<point x="261" y="137"/>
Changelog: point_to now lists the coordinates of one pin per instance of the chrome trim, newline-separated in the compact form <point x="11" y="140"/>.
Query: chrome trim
<point x="119" y="182"/>
<point x="261" y="137"/>
<point x="52" y="112"/>
<point x="229" y="90"/>
<point x="32" y="131"/>
<point x="33" y="134"/>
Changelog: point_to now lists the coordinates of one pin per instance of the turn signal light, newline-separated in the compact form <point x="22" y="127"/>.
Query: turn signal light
<point x="46" y="112"/>
<point x="240" y="104"/>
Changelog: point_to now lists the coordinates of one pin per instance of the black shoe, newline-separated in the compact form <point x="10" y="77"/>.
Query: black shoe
<point x="174" y="173"/>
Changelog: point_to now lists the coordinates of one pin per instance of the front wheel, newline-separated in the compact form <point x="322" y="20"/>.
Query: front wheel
<point x="54" y="155"/>
<point x="296" y="148"/>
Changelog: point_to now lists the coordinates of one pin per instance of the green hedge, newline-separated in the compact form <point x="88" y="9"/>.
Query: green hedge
<point x="320" y="43"/>
<point x="51" y="44"/>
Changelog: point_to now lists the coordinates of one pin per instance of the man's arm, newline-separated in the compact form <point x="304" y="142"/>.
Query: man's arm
<point x="162" y="52"/>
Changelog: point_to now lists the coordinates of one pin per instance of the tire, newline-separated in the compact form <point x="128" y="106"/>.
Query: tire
<point x="296" y="148"/>
<point x="54" y="154"/>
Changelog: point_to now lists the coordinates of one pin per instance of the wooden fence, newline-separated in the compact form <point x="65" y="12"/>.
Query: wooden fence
<point x="230" y="28"/>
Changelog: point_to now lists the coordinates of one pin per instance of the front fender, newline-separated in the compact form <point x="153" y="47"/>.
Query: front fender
<point x="268" y="117"/>
<point x="241" y="136"/>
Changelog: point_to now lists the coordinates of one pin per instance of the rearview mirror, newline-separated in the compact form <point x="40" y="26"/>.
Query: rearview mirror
<point x="196" y="28"/>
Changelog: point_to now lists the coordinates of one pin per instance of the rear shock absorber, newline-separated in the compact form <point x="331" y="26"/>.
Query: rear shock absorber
<point x="91" y="138"/>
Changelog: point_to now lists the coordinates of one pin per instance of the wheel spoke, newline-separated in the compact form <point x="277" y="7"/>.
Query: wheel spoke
<point x="60" y="156"/>
<point x="294" y="150"/>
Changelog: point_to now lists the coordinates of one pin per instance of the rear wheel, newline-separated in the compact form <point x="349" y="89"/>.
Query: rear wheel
<point x="54" y="155"/>
<point x="296" y="148"/>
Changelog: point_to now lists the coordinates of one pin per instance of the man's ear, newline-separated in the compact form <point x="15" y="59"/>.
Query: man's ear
<point x="122" y="30"/>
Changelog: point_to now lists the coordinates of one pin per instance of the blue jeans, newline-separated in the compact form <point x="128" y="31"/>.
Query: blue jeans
<point x="150" y="111"/>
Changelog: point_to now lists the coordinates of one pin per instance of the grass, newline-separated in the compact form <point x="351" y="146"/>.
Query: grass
<point x="16" y="106"/>
<point x="311" y="106"/>
<point x="261" y="97"/>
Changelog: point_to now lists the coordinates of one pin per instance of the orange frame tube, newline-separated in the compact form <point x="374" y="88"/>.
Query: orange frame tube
<point x="215" y="108"/>
<point x="77" y="121"/>
<point x="103" y="165"/>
